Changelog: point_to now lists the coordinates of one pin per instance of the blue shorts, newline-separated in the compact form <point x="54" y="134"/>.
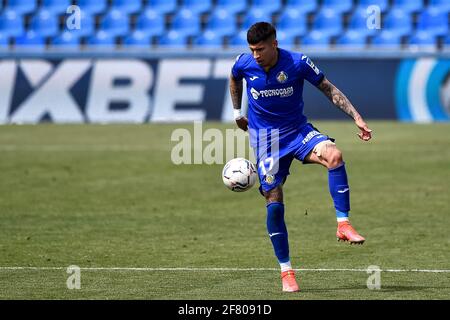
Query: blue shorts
<point x="273" y="170"/>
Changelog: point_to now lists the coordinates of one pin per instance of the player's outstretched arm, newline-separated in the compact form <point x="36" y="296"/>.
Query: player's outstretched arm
<point x="236" y="88"/>
<point x="341" y="101"/>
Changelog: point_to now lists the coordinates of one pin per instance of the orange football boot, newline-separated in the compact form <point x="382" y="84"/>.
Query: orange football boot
<point x="289" y="283"/>
<point x="345" y="232"/>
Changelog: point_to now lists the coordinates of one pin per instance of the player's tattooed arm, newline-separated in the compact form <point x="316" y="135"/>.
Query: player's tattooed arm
<point x="338" y="98"/>
<point x="236" y="88"/>
<point x="341" y="101"/>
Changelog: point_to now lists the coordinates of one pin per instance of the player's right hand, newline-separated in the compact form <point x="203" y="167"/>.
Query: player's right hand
<point x="365" y="133"/>
<point x="242" y="123"/>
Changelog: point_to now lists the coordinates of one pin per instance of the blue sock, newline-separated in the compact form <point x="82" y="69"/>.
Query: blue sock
<point x="277" y="231"/>
<point x="339" y="190"/>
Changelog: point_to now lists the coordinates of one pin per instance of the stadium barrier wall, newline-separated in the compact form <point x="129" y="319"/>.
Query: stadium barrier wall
<point x="161" y="87"/>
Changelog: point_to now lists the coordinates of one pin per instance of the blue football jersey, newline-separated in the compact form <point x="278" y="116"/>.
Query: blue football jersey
<point x="275" y="98"/>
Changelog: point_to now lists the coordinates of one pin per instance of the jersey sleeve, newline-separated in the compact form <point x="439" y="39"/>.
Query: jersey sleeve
<point x="237" y="69"/>
<point x="310" y="72"/>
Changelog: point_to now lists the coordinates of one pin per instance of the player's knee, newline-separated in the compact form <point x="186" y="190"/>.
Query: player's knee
<point x="334" y="158"/>
<point x="274" y="195"/>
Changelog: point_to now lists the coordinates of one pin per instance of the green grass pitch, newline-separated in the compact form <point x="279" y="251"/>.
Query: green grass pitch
<point x="108" y="196"/>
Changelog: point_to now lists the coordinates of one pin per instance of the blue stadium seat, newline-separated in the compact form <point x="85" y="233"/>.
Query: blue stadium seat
<point x="398" y="21"/>
<point x="30" y="40"/>
<point x="221" y="22"/>
<point x="422" y="39"/>
<point x="172" y="39"/>
<point x="44" y="23"/>
<point x="316" y="39"/>
<point x="447" y="42"/>
<point x="304" y="6"/>
<point x="197" y="6"/>
<point x="239" y="39"/>
<point x="66" y="40"/>
<point x="408" y="5"/>
<point x="328" y="22"/>
<point x="151" y="23"/>
<point x="115" y="22"/>
<point x="137" y="39"/>
<point x="270" y="6"/>
<point x="292" y="22"/>
<point x="162" y="6"/>
<point x="358" y="23"/>
<point x="231" y="6"/>
<point x="4" y="41"/>
<point x="93" y="7"/>
<point x="255" y="15"/>
<point x="102" y="39"/>
<point x="352" y="39"/>
<point x="339" y="6"/>
<point x="433" y="21"/>
<point x="285" y="40"/>
<point x="386" y="40"/>
<point x="11" y="23"/>
<point x="364" y="4"/>
<point x="56" y="6"/>
<point x="21" y="6"/>
<point x="209" y="39"/>
<point x="127" y="6"/>
<point x="87" y="25"/>
<point x="443" y="5"/>
<point x="186" y="22"/>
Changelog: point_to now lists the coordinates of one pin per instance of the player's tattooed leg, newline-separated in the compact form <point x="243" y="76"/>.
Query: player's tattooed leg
<point x="274" y="195"/>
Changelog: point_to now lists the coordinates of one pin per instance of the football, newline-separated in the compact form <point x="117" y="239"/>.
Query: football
<point x="239" y="174"/>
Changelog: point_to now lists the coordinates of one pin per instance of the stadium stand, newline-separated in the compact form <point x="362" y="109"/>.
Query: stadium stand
<point x="92" y="7"/>
<point x="209" y="39"/>
<point x="269" y="6"/>
<point x="66" y="40"/>
<point x="338" y="6"/>
<point x="328" y="21"/>
<point x="222" y="23"/>
<point x="151" y="23"/>
<point x="101" y="39"/>
<point x="11" y="24"/>
<point x="44" y="23"/>
<point x="330" y="24"/>
<point x="317" y="39"/>
<point x="399" y="22"/>
<point x="137" y="39"/>
<point x="387" y="40"/>
<point x="352" y="39"/>
<point x="292" y="22"/>
<point x="127" y="6"/>
<point x="56" y="7"/>
<point x="232" y="6"/>
<point x="358" y="23"/>
<point x="410" y="6"/>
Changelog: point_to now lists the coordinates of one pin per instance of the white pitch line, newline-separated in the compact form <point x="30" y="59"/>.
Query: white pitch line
<point x="221" y="269"/>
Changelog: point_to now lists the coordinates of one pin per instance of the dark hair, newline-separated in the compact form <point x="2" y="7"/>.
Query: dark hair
<point x="260" y="31"/>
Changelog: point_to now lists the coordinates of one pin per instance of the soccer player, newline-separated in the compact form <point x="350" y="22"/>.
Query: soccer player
<point x="280" y="132"/>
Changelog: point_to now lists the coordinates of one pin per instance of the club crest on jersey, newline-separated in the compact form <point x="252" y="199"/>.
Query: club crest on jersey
<point x="282" y="77"/>
<point x="269" y="178"/>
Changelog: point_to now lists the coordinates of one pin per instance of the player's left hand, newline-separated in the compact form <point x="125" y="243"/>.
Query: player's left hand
<point x="242" y="123"/>
<point x="366" y="133"/>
